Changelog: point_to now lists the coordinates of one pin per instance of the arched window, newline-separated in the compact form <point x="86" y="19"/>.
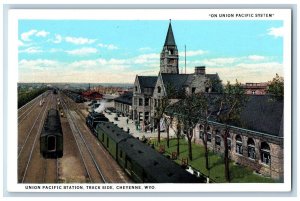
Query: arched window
<point x="208" y="134"/>
<point x="218" y="138"/>
<point x="136" y="88"/>
<point x="265" y="153"/>
<point x="201" y="132"/>
<point x="251" y="148"/>
<point x="158" y="89"/>
<point x="229" y="143"/>
<point x="239" y="145"/>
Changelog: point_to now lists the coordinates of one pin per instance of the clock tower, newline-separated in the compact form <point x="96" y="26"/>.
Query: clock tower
<point x="169" y="54"/>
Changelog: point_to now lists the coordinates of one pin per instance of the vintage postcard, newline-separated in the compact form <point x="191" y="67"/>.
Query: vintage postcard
<point x="149" y="100"/>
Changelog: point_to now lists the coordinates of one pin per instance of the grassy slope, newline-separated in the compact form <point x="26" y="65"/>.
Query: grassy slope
<point x="239" y="174"/>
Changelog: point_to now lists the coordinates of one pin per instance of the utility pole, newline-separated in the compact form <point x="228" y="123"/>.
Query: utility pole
<point x="185" y="59"/>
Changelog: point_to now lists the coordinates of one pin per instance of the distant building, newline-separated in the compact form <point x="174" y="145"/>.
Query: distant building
<point x="92" y="95"/>
<point x="123" y="104"/>
<point x="256" y="88"/>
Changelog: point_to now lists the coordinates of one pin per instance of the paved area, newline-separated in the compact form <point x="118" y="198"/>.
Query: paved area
<point x="122" y="123"/>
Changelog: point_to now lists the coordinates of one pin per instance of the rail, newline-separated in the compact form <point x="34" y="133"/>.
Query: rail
<point x="86" y="145"/>
<point x="32" y="148"/>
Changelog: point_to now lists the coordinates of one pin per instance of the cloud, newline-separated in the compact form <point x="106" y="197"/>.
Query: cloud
<point x="276" y="32"/>
<point x="82" y="51"/>
<point x="146" y="58"/>
<point x="42" y="33"/>
<point x="26" y="35"/>
<point x="256" y="57"/>
<point x="108" y="46"/>
<point x="79" y="41"/>
<point x="145" y="49"/>
<point x="57" y="39"/>
<point x="31" y="50"/>
<point x="247" y="72"/>
<point x="193" y="53"/>
<point x="21" y="44"/>
<point x="38" y="65"/>
<point x="219" y="61"/>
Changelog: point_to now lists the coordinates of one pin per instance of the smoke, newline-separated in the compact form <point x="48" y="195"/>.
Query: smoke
<point x="101" y="107"/>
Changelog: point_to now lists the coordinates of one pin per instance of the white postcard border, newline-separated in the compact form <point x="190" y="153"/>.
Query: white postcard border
<point x="142" y="14"/>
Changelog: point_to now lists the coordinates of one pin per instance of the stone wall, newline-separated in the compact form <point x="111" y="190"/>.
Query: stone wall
<point x="274" y="169"/>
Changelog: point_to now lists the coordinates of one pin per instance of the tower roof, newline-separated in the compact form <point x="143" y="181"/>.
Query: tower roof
<point x="170" y="40"/>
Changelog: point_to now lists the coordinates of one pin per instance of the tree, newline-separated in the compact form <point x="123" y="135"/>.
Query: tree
<point x="208" y="107"/>
<point x="276" y="87"/>
<point x="161" y="107"/>
<point x="187" y="112"/>
<point x="231" y="103"/>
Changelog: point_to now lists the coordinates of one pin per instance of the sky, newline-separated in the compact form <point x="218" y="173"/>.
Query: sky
<point x="104" y="51"/>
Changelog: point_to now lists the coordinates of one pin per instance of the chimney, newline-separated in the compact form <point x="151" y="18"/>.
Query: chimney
<point x="200" y="70"/>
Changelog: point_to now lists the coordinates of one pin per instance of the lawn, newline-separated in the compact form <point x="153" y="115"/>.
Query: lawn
<point x="238" y="174"/>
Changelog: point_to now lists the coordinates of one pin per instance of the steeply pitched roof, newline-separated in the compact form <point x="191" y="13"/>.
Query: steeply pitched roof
<point x="125" y="98"/>
<point x="263" y="114"/>
<point x="175" y="80"/>
<point x="170" y="40"/>
<point x="147" y="82"/>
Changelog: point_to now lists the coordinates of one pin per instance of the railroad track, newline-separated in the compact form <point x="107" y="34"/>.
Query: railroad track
<point x="31" y="106"/>
<point x="51" y="165"/>
<point x="104" y="152"/>
<point x="22" y="154"/>
<point x="93" y="170"/>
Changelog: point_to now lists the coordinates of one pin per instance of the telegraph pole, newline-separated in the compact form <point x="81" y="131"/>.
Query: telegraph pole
<point x="185" y="59"/>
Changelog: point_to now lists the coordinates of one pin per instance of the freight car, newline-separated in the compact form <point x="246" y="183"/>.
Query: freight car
<point x="51" y="138"/>
<point x="93" y="119"/>
<point x="74" y="96"/>
<point x="141" y="162"/>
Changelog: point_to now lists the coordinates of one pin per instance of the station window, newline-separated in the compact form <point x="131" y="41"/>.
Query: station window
<point x="251" y="148"/>
<point x="239" y="145"/>
<point x="218" y="140"/>
<point x="193" y="90"/>
<point x="201" y="132"/>
<point x="208" y="134"/>
<point x="265" y="153"/>
<point x="140" y="102"/>
<point x="146" y="101"/>
<point x="229" y="143"/>
<point x="158" y="89"/>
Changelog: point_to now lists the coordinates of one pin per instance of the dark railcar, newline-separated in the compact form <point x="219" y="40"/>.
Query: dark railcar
<point x="140" y="161"/>
<point x="51" y="138"/>
<point x="93" y="119"/>
<point x="110" y="135"/>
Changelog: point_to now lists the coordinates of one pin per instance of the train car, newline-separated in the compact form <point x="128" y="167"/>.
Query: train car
<point x="142" y="163"/>
<point x="93" y="119"/>
<point x="110" y="135"/>
<point x="146" y="165"/>
<point x="51" y="138"/>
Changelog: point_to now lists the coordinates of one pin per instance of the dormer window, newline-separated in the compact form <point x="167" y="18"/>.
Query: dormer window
<point x="135" y="88"/>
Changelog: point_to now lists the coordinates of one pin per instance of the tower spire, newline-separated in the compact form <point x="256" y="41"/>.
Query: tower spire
<point x="170" y="40"/>
<point x="169" y="54"/>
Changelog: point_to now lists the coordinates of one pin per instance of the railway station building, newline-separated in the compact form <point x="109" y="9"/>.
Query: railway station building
<point x="255" y="142"/>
